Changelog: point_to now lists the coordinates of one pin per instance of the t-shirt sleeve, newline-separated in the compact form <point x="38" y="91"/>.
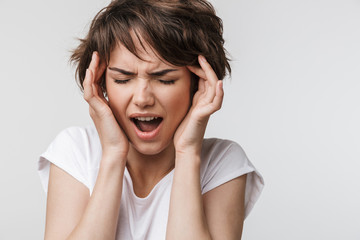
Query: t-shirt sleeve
<point x="67" y="152"/>
<point x="226" y="160"/>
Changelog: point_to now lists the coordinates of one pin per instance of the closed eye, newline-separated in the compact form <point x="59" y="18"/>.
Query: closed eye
<point x="167" y="82"/>
<point x="121" y="81"/>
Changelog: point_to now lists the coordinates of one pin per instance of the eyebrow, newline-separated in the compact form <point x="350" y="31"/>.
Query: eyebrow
<point x="154" y="74"/>
<point x="162" y="72"/>
<point x="121" y="71"/>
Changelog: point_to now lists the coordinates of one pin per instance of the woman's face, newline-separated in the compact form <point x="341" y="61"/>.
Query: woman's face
<point x="148" y="97"/>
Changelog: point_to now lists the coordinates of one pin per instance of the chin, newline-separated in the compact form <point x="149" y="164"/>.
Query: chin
<point x="150" y="149"/>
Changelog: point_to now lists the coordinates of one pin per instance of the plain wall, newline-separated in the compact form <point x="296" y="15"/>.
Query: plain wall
<point x="293" y="103"/>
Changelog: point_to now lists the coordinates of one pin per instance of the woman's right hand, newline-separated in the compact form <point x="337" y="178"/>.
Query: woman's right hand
<point x="113" y="140"/>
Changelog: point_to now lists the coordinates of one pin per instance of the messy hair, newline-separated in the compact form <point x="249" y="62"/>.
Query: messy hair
<point x="177" y="30"/>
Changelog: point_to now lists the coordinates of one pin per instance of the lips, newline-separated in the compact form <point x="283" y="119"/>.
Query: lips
<point x="146" y="127"/>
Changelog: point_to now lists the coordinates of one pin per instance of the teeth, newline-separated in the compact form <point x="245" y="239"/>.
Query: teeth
<point x="145" y="118"/>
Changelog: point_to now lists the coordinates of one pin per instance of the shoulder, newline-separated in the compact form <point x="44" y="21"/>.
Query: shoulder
<point x="225" y="160"/>
<point x="76" y="150"/>
<point x="77" y="138"/>
<point x="81" y="142"/>
<point x="220" y="145"/>
<point x="78" y="134"/>
<point x="215" y="149"/>
<point x="221" y="161"/>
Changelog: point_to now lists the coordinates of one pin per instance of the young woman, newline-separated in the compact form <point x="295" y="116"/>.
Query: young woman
<point x="150" y="73"/>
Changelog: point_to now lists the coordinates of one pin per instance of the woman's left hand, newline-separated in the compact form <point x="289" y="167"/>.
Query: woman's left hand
<point x="207" y="100"/>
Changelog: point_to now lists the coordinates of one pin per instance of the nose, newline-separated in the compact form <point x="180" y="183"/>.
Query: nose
<point x="143" y="95"/>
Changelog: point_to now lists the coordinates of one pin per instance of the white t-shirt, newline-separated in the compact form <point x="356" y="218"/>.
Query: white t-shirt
<point x="78" y="152"/>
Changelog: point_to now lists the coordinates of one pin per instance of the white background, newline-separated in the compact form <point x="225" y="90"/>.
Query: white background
<point x="293" y="103"/>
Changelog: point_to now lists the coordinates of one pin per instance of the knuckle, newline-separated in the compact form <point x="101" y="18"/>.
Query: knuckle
<point x="87" y="97"/>
<point x="92" y="113"/>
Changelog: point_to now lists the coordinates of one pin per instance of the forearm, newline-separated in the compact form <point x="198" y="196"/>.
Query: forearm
<point x="186" y="215"/>
<point x="100" y="218"/>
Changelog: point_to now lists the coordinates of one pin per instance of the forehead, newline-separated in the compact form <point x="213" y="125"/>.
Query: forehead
<point x="121" y="56"/>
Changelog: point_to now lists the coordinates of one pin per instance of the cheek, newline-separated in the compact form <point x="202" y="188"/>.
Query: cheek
<point x="178" y="101"/>
<point x="117" y="101"/>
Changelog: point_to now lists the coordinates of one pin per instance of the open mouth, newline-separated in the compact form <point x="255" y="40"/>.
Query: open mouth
<point x="147" y="124"/>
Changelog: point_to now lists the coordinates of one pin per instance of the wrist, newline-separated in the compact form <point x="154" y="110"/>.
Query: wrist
<point x="189" y="151"/>
<point x="110" y="160"/>
<point x="188" y="158"/>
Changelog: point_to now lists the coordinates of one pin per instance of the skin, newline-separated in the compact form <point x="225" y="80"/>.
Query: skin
<point x="146" y="94"/>
<point x="149" y="95"/>
<point x="73" y="214"/>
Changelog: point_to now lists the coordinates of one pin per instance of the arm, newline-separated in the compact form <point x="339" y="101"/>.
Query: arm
<point x="224" y="209"/>
<point x="71" y="212"/>
<point x="191" y="215"/>
<point x="218" y="214"/>
<point x="186" y="215"/>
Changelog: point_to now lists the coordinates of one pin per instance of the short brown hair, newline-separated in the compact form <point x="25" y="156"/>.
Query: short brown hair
<point x="177" y="30"/>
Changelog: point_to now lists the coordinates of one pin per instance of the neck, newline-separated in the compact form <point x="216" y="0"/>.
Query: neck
<point x="147" y="170"/>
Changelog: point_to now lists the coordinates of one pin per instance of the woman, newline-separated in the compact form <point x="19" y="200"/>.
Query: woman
<point x="150" y="73"/>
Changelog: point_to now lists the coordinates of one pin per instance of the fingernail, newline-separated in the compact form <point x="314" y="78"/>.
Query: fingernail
<point x="202" y="58"/>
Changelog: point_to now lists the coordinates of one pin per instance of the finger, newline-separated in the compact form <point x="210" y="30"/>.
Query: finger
<point x="97" y="70"/>
<point x="98" y="87"/>
<point x="98" y="93"/>
<point x="87" y="85"/>
<point x="218" y="99"/>
<point x="96" y="66"/>
<point x="199" y="92"/>
<point x="95" y="102"/>
<point x="94" y="84"/>
<point x="100" y="71"/>
<point x="201" y="86"/>
<point x="211" y="78"/>
<point x="197" y="71"/>
<point x="101" y="94"/>
<point x="208" y="70"/>
<point x="209" y="109"/>
<point x="90" y="90"/>
<point x="94" y="63"/>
